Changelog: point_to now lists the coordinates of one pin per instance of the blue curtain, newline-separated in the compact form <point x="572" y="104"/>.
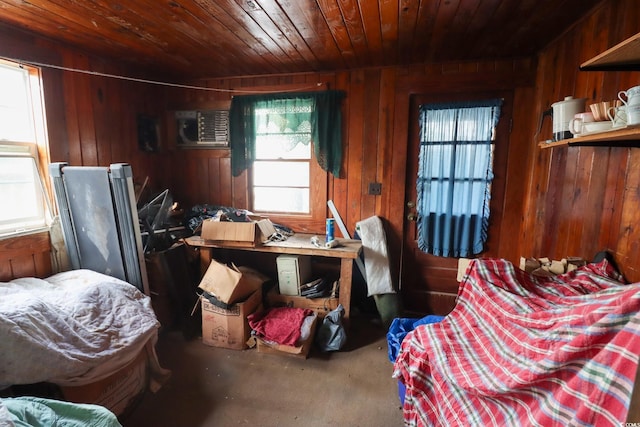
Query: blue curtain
<point x="454" y="176"/>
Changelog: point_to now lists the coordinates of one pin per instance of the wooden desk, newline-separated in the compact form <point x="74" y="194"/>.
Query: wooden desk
<point x="298" y="244"/>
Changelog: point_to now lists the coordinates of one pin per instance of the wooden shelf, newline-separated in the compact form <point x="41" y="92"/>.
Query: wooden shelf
<point x="624" y="56"/>
<point x="625" y="137"/>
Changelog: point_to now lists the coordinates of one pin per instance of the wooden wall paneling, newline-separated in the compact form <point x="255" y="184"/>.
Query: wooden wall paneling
<point x="521" y="147"/>
<point x="102" y="120"/>
<point x="202" y="166"/>
<point x="396" y="184"/>
<point x="590" y="191"/>
<point x="54" y="99"/>
<point x="569" y="192"/>
<point x="598" y="88"/>
<point x="371" y="143"/>
<point x="71" y="113"/>
<point x="628" y="242"/>
<point x="338" y="187"/>
<point x="584" y="183"/>
<point x="595" y="180"/>
<point x="356" y="123"/>
<point x="114" y="99"/>
<point x="193" y="179"/>
<point x="224" y="191"/>
<point x="553" y="202"/>
<point x="86" y="122"/>
<point x="502" y="152"/>
<point x="539" y="190"/>
<point x="385" y="136"/>
<point x="616" y="179"/>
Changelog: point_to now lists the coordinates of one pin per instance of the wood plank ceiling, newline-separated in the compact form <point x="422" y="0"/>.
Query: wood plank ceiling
<point x="220" y="38"/>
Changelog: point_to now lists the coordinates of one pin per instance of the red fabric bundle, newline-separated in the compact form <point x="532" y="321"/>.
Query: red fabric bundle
<point x="279" y="324"/>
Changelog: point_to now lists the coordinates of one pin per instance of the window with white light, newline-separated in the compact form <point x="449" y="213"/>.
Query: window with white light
<point x="282" y="168"/>
<point x="21" y="184"/>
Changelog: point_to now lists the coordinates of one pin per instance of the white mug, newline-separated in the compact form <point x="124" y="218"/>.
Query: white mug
<point x="633" y="114"/>
<point x="618" y="116"/>
<point x="576" y="125"/>
<point x="632" y="96"/>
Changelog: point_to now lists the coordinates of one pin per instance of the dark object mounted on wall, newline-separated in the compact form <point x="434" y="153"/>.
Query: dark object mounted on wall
<point x="148" y="133"/>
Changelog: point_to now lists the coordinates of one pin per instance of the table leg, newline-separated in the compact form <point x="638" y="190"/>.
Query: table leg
<point x="205" y="259"/>
<point x="346" y="277"/>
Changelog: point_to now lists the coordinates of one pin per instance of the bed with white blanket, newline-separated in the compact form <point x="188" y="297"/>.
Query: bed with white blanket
<point x="520" y="349"/>
<point x="74" y="329"/>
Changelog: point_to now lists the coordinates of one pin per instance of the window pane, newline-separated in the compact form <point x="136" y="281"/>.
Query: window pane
<point x="281" y="174"/>
<point x="20" y="188"/>
<point x="283" y="132"/>
<point x="277" y="199"/>
<point x="15" y="109"/>
<point x="280" y="147"/>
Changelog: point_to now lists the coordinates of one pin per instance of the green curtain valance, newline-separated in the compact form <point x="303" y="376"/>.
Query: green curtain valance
<point x="326" y="126"/>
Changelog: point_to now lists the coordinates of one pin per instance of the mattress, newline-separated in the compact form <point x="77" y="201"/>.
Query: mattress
<point x="71" y="329"/>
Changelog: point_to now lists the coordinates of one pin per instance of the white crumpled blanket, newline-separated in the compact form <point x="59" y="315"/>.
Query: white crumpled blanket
<point x="72" y="328"/>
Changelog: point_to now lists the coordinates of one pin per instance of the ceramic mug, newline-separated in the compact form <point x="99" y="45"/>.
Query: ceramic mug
<point x="633" y="114"/>
<point x="632" y="96"/>
<point x="618" y="116"/>
<point x="576" y="125"/>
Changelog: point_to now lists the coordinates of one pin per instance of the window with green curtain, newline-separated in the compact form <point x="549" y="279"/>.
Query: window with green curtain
<point x="325" y="122"/>
<point x="454" y="176"/>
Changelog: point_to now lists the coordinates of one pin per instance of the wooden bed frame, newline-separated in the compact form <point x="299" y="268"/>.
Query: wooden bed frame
<point x="30" y="256"/>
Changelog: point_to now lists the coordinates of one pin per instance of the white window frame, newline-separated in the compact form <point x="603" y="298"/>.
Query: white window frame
<point x="317" y="193"/>
<point x="34" y="147"/>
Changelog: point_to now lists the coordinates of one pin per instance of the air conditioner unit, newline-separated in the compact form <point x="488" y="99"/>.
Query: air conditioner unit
<point x="203" y="128"/>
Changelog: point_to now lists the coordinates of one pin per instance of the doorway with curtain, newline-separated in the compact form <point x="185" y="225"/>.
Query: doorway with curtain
<point x="434" y="241"/>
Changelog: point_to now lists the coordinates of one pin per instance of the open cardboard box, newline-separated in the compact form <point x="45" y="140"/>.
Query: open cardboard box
<point x="230" y="284"/>
<point x="237" y="234"/>
<point x="301" y="350"/>
<point x="228" y="328"/>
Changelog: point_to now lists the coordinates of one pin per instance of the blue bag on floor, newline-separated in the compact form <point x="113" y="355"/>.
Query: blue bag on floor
<point x="399" y="329"/>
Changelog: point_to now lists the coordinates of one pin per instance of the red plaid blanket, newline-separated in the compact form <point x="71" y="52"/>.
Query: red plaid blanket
<point x="524" y="350"/>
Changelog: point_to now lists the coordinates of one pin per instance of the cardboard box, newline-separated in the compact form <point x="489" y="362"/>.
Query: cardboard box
<point x="228" y="328"/>
<point x="237" y="234"/>
<point x="321" y="306"/>
<point x="231" y="284"/>
<point x="298" y="351"/>
<point x="293" y="271"/>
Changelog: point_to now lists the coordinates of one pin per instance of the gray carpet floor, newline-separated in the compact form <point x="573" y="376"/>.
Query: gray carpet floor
<point x="212" y="386"/>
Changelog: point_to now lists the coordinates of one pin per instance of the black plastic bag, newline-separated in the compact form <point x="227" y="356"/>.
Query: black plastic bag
<point x="331" y="335"/>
